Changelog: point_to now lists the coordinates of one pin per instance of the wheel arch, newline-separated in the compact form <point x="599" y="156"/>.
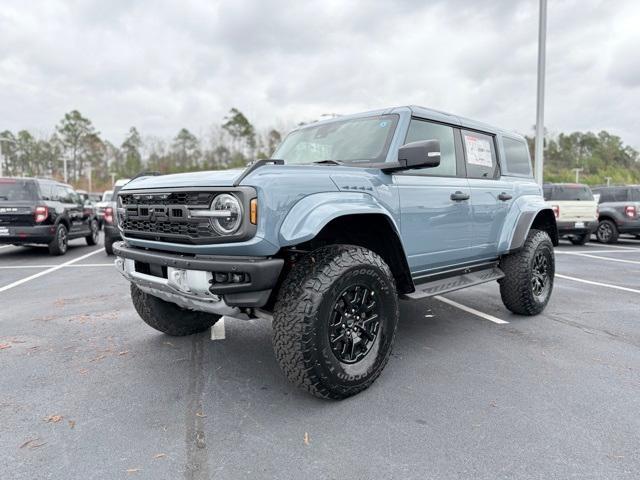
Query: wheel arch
<point x="348" y="218"/>
<point x="539" y="219"/>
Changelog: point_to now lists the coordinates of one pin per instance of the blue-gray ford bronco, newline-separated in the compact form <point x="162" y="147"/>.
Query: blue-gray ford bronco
<point x="349" y="216"/>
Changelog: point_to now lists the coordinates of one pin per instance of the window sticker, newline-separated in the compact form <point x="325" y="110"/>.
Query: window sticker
<point x="478" y="151"/>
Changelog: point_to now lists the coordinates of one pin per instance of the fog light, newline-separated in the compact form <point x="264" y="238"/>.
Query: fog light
<point x="222" y="278"/>
<point x="177" y="277"/>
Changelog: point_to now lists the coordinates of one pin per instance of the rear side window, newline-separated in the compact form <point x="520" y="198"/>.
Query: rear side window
<point x="423" y="130"/>
<point x="568" y="192"/>
<point x="634" y="194"/>
<point x="17" y="190"/>
<point x="613" y="195"/>
<point x="480" y="155"/>
<point x="516" y="156"/>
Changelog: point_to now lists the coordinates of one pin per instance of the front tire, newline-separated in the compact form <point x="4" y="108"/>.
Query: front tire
<point x="335" y="320"/>
<point x="60" y="242"/>
<point x="528" y="282"/>
<point x="580" y="239"/>
<point x="607" y="232"/>
<point x="169" y="318"/>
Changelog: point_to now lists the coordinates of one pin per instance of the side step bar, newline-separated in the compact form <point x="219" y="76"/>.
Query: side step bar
<point x="456" y="282"/>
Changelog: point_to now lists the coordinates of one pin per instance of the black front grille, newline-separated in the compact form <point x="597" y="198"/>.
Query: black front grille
<point x="192" y="199"/>
<point x="165" y="217"/>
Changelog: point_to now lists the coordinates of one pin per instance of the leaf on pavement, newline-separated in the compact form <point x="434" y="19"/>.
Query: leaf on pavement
<point x="306" y="438"/>
<point x="53" y="418"/>
<point x="72" y="424"/>
<point x="4" y="345"/>
<point x="160" y="455"/>
<point x="133" y="470"/>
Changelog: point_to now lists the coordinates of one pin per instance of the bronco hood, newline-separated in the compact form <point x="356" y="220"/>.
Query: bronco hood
<point x="213" y="178"/>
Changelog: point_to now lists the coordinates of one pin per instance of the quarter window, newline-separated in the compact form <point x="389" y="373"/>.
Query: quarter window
<point x="480" y="155"/>
<point x="422" y="130"/>
<point x="516" y="156"/>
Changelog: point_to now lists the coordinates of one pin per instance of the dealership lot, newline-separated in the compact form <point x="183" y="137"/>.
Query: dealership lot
<point x="472" y="391"/>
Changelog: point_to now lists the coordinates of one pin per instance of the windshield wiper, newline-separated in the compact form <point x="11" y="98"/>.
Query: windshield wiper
<point x="328" y="162"/>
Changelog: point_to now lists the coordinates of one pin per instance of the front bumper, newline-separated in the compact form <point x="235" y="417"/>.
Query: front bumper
<point x="574" y="228"/>
<point x="20" y="235"/>
<point x="215" y="284"/>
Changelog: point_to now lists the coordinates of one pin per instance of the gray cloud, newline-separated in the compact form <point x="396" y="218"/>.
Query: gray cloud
<point x="165" y="65"/>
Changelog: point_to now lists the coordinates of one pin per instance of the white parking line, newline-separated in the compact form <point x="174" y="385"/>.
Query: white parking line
<point x="19" y="267"/>
<point x="601" y="258"/>
<point x="45" y="272"/>
<point x="473" y="311"/>
<point x="573" y="252"/>
<point x="599" y="284"/>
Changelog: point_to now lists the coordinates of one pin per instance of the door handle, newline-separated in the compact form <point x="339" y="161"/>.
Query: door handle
<point x="504" y="196"/>
<point x="459" y="196"/>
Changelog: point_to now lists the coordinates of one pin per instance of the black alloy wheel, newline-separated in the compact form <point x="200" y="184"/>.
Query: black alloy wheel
<point x="354" y="323"/>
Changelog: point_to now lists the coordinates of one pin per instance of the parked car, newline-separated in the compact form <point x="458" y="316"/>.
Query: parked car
<point x="102" y="204"/>
<point x="619" y="212"/>
<point x="43" y="211"/>
<point x="111" y="231"/>
<point x="575" y="209"/>
<point x="357" y="212"/>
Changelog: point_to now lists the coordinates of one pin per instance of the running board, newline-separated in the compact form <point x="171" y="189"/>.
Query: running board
<point x="449" y="284"/>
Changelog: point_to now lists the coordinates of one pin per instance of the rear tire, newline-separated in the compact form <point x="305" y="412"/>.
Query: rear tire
<point x="580" y="239"/>
<point x="169" y="318"/>
<point x="92" y="238"/>
<point x="60" y="242"/>
<point x="607" y="231"/>
<point x="335" y="320"/>
<point x="528" y="282"/>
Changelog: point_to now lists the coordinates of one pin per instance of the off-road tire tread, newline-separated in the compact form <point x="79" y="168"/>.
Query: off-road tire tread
<point x="299" y="296"/>
<point x="169" y="318"/>
<point x="515" y="287"/>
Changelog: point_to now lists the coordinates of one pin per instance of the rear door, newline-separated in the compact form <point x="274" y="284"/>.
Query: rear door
<point x="435" y="207"/>
<point x="491" y="194"/>
<point x="71" y="203"/>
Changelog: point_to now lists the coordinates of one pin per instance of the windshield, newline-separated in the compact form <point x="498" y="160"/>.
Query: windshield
<point x="16" y="190"/>
<point x="106" y="196"/>
<point x="568" y="192"/>
<point x="355" y="140"/>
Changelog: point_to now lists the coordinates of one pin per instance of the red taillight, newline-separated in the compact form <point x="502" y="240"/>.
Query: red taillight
<point x="41" y="214"/>
<point x="630" y="211"/>
<point x="108" y="215"/>
<point x="556" y="210"/>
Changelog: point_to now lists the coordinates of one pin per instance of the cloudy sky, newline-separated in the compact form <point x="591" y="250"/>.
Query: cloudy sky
<point x="164" y="65"/>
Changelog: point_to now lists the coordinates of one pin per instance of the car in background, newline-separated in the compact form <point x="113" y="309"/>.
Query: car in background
<point x="619" y="212"/>
<point x="575" y="208"/>
<point x="111" y="231"/>
<point x="102" y="204"/>
<point x="44" y="211"/>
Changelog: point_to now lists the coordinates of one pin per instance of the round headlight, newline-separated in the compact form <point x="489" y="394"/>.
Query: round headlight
<point x="229" y="205"/>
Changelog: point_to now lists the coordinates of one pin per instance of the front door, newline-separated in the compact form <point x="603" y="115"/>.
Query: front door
<point x="435" y="203"/>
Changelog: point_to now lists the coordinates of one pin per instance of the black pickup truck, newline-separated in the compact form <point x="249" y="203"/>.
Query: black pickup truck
<point x="43" y="211"/>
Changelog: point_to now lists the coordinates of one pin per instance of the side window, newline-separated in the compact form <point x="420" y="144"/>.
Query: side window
<point x="423" y="130"/>
<point x="63" y="194"/>
<point x="619" y="195"/>
<point x="634" y="194"/>
<point x="546" y="191"/>
<point x="480" y="155"/>
<point x="516" y="155"/>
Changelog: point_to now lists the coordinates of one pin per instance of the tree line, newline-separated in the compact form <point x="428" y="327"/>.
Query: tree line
<point x="601" y="156"/>
<point x="235" y="141"/>
<point x="232" y="143"/>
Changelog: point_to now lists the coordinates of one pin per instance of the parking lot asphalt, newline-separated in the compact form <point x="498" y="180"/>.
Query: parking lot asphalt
<point x="89" y="391"/>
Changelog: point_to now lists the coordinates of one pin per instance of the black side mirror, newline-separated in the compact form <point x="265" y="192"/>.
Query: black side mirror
<point x="421" y="154"/>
